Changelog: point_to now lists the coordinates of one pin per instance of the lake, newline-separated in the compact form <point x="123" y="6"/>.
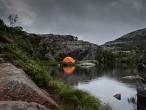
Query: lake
<point x="104" y="83"/>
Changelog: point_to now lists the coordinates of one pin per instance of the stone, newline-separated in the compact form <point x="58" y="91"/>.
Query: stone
<point x="87" y="63"/>
<point x="130" y="77"/>
<point x="2" y="60"/>
<point x="142" y="66"/>
<point x="21" y="105"/>
<point x="15" y="85"/>
<point x="117" y="96"/>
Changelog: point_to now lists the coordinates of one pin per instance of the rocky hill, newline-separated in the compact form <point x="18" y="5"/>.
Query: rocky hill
<point x="49" y="46"/>
<point x="59" y="46"/>
<point x="129" y="41"/>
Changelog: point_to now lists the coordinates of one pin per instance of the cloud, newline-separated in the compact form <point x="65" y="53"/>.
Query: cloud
<point x="95" y="20"/>
<point x="22" y="8"/>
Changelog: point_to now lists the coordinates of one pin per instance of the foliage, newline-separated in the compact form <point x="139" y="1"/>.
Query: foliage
<point x="106" y="58"/>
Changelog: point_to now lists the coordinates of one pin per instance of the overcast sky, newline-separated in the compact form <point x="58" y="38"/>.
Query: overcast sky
<point x="97" y="21"/>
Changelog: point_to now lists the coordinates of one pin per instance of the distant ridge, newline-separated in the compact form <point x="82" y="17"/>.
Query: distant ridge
<point x="127" y="40"/>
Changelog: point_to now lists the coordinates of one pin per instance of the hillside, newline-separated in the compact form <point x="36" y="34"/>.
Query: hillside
<point x="49" y="46"/>
<point x="128" y="42"/>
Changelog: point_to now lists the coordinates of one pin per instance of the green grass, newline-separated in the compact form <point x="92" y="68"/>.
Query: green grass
<point x="65" y="95"/>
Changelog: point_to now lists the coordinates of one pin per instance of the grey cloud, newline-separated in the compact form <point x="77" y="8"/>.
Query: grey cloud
<point x="95" y="20"/>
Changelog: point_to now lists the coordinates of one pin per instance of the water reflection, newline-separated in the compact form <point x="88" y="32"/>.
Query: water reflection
<point x="69" y="69"/>
<point x="138" y="102"/>
<point x="104" y="83"/>
<point x="72" y="75"/>
<point x="141" y="103"/>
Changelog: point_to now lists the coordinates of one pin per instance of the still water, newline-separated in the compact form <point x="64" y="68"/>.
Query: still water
<point x="103" y="83"/>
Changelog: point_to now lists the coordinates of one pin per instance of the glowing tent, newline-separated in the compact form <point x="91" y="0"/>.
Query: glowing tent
<point x="68" y="60"/>
<point x="69" y="69"/>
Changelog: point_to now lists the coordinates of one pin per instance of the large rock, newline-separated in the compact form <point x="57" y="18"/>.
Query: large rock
<point x="15" y="85"/>
<point x="141" y="84"/>
<point x="87" y="63"/>
<point x="142" y="66"/>
<point x="20" y="105"/>
<point x="141" y="103"/>
<point x="66" y="45"/>
<point x="141" y="88"/>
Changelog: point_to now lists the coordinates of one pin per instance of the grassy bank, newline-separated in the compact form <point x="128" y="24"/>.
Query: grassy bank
<point x="65" y="95"/>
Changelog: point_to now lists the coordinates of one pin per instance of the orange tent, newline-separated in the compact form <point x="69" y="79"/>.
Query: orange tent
<point x="69" y="69"/>
<point x="68" y="60"/>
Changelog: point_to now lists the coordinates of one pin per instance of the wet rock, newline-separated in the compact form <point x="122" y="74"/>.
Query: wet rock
<point x="20" y="105"/>
<point x="130" y="77"/>
<point x="87" y="63"/>
<point x="15" y="85"/>
<point x="117" y="96"/>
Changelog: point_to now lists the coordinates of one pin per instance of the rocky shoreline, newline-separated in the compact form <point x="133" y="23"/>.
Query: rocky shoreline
<point x="17" y="90"/>
<point x="141" y="85"/>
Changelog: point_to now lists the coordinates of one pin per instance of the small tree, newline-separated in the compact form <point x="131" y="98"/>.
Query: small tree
<point x="12" y="20"/>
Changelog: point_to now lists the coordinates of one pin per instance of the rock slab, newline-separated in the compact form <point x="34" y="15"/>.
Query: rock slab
<point x="20" y="105"/>
<point x="142" y="66"/>
<point x="15" y="85"/>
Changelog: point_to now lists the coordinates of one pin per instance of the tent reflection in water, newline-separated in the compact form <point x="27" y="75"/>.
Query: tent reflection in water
<point x="69" y="69"/>
<point x="68" y="61"/>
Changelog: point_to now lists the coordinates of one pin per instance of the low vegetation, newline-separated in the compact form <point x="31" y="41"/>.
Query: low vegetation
<point x="23" y="57"/>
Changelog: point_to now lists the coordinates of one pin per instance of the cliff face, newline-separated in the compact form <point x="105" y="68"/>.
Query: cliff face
<point x="68" y="45"/>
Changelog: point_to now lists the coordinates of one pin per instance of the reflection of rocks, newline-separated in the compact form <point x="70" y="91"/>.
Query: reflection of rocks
<point x="133" y="101"/>
<point x="141" y="103"/>
<point x="141" y="91"/>
<point x="86" y="74"/>
<point x="79" y="75"/>
<point x="141" y="88"/>
<point x="141" y="84"/>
